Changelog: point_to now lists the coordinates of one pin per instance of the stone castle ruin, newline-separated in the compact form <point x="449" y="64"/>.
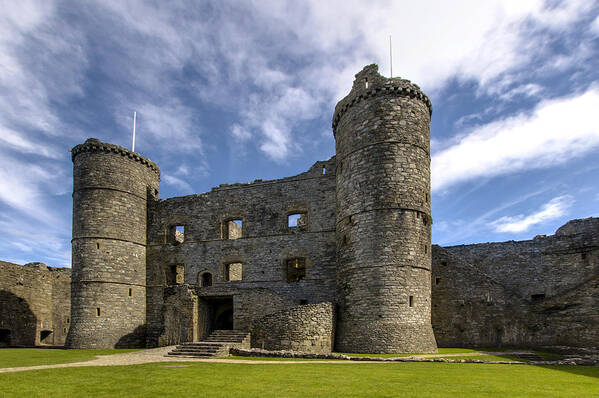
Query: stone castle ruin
<point x="336" y="258"/>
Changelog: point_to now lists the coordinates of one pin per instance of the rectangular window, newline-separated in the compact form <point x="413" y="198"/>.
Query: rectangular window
<point x="437" y="281"/>
<point x="297" y="220"/>
<point x="411" y="301"/>
<point x="130" y="292"/>
<point x="296" y="269"/>
<point x="175" y="275"/>
<point x="177" y="234"/>
<point x="233" y="229"/>
<point x="233" y="272"/>
<point x="98" y="311"/>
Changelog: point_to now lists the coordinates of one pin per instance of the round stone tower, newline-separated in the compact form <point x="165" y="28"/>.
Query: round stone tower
<point x="383" y="217"/>
<point x="111" y="190"/>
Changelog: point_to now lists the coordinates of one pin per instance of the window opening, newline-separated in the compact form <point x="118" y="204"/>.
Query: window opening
<point x="539" y="296"/>
<point x="64" y="330"/>
<point x="296" y="269"/>
<point x="177" y="234"/>
<point x="411" y="301"/>
<point x="324" y="170"/>
<point x="98" y="311"/>
<point x="366" y="82"/>
<point x="425" y="249"/>
<point x="297" y="220"/>
<point x="437" y="281"/>
<point x="130" y="292"/>
<point x="233" y="272"/>
<point x="233" y="229"/>
<point x="206" y="279"/>
<point x="97" y="246"/>
<point x="175" y="275"/>
<point x="303" y="302"/>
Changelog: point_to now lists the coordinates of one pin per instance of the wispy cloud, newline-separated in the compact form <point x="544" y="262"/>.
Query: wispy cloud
<point x="555" y="132"/>
<point x="555" y="208"/>
<point x="177" y="183"/>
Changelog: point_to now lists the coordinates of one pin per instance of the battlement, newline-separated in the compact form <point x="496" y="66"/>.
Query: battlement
<point x="94" y="145"/>
<point x="369" y="83"/>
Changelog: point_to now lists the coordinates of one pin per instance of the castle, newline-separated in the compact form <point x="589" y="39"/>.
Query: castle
<point x="336" y="258"/>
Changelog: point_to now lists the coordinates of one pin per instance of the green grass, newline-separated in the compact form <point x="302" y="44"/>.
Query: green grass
<point x="305" y="379"/>
<point x="488" y="358"/>
<point x="17" y="357"/>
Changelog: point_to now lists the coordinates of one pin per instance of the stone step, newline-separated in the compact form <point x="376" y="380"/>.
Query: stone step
<point x="190" y="355"/>
<point x="530" y="357"/>
<point x="218" y="343"/>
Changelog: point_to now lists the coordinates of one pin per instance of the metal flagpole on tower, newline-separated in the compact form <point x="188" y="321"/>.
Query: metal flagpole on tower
<point x="390" y="57"/>
<point x="134" y="117"/>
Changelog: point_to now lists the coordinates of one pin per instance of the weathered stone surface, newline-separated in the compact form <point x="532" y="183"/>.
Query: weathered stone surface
<point x="306" y="328"/>
<point x="111" y="189"/>
<point x="34" y="304"/>
<point x="383" y="217"/>
<point x="536" y="293"/>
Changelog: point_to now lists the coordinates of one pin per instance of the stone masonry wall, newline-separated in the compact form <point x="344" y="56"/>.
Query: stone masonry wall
<point x="537" y="293"/>
<point x="111" y="190"/>
<point x="383" y="216"/>
<point x="307" y="328"/>
<point x="34" y="304"/>
<point x="262" y="245"/>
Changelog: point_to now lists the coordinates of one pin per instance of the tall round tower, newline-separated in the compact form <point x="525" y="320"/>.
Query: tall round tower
<point x="111" y="190"/>
<point x="383" y="216"/>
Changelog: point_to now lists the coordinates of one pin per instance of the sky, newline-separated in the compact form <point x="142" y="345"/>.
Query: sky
<point x="233" y="91"/>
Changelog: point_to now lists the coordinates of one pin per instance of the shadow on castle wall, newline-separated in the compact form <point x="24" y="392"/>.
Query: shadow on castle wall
<point x="136" y="339"/>
<point x="18" y="324"/>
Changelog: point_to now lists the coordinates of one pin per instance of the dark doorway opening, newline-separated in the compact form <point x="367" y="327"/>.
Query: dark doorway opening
<point x="4" y="337"/>
<point x="215" y="313"/>
<point x="46" y="337"/>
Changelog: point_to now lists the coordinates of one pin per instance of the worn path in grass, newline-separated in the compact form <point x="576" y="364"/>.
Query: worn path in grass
<point x="159" y="355"/>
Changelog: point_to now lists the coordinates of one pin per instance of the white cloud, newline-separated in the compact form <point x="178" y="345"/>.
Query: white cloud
<point x="555" y="208"/>
<point x="595" y="26"/>
<point x="555" y="132"/>
<point x="177" y="183"/>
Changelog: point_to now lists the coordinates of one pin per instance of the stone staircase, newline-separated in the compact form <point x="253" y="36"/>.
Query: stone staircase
<point x="217" y="344"/>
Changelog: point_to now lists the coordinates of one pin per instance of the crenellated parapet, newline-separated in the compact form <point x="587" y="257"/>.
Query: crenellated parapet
<point x="369" y="84"/>
<point x="92" y="145"/>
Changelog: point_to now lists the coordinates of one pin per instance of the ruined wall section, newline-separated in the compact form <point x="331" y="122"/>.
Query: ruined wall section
<point x="111" y="189"/>
<point x="265" y="244"/>
<point x="536" y="293"/>
<point x="383" y="216"/>
<point x="34" y="304"/>
<point x="306" y="328"/>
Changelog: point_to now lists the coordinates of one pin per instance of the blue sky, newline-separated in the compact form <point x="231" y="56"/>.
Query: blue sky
<point x="235" y="91"/>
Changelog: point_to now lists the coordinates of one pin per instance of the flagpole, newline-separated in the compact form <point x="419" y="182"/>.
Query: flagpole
<point x="133" y="145"/>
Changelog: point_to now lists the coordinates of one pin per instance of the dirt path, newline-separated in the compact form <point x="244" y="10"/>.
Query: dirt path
<point x="159" y="355"/>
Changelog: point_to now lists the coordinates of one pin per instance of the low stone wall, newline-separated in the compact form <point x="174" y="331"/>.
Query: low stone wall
<point x="307" y="328"/>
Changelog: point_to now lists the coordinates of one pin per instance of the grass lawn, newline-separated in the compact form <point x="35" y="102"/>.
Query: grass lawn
<point x="305" y="379"/>
<point x="16" y="357"/>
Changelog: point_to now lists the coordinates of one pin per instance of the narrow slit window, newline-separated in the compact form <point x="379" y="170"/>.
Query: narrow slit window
<point x="130" y="292"/>
<point x="233" y="229"/>
<point x="233" y="272"/>
<point x="297" y="220"/>
<point x="411" y="301"/>
<point x="324" y="170"/>
<point x="296" y="269"/>
<point x="437" y="281"/>
<point x="98" y="311"/>
<point x="97" y="246"/>
<point x="366" y="82"/>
